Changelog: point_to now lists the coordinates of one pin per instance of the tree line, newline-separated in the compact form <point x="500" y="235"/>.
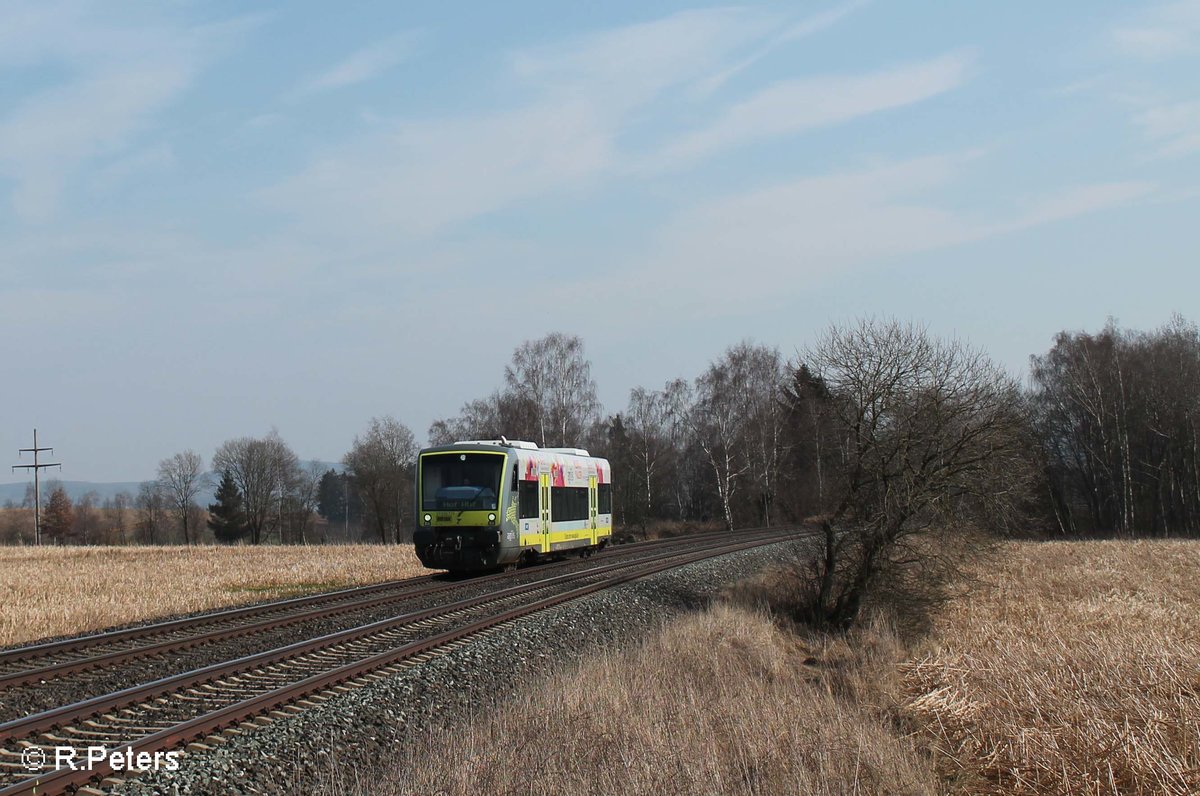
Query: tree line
<point x="1102" y="440"/>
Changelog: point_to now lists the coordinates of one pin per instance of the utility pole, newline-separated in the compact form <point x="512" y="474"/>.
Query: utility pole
<point x="37" y="468"/>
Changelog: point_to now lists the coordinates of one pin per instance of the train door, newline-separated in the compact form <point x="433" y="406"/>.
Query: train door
<point x="544" y="502"/>
<point x="592" y="506"/>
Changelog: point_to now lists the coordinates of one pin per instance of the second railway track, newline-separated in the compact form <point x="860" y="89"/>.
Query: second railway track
<point x="39" y="663"/>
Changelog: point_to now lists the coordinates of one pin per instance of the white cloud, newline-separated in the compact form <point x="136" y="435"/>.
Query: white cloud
<point x="1162" y="32"/>
<point x="421" y="175"/>
<point x="800" y="30"/>
<point x="416" y="177"/>
<point x="1173" y="127"/>
<point x="793" y="106"/>
<point x="120" y="78"/>
<point x="152" y="160"/>
<point x="363" y="65"/>
<point x="630" y="66"/>
<point x="779" y="241"/>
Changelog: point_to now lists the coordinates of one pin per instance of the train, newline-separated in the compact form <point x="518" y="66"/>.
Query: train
<point x="496" y="504"/>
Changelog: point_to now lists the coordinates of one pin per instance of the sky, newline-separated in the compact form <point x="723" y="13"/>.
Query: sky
<point x="221" y="217"/>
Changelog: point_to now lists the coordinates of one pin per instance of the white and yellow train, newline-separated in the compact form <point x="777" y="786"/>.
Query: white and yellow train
<point x="486" y="504"/>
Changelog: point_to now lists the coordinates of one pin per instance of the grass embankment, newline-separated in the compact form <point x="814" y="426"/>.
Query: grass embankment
<point x="51" y="591"/>
<point x="1072" y="668"/>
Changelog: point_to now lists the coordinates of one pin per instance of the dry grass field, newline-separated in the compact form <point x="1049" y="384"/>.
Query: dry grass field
<point x="53" y="591"/>
<point x="1071" y="668"/>
<point x="1074" y="668"/>
<point x="718" y="703"/>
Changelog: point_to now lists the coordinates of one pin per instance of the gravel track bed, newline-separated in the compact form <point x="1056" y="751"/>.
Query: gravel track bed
<point x="361" y="729"/>
<point x="25" y="700"/>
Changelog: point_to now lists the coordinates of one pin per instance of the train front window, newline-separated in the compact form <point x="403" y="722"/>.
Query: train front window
<point x="460" y="481"/>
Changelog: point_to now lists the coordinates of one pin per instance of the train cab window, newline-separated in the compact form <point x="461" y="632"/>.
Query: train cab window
<point x="604" y="499"/>
<point x="453" y="481"/>
<point x="527" y="499"/>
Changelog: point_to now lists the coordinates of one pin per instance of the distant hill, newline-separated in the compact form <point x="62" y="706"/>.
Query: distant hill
<point x="108" y="489"/>
<point x="76" y="489"/>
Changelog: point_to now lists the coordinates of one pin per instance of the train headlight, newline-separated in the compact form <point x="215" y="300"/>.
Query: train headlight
<point x="428" y="519"/>
<point x="491" y="518"/>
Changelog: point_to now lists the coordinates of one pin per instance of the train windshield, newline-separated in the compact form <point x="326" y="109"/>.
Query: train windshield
<point x="460" y="481"/>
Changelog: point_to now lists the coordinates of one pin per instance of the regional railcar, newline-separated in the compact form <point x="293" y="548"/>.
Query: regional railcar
<point x="488" y="504"/>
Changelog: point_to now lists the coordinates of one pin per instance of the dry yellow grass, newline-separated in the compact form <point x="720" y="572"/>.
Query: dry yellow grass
<point x="1074" y="668"/>
<point x="1070" y="668"/>
<point x="719" y="703"/>
<point x="54" y="591"/>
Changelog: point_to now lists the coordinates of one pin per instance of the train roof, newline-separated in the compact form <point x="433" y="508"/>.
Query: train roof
<point x="516" y="445"/>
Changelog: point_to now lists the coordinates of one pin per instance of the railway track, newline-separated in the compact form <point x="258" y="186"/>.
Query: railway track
<point x="40" y="663"/>
<point x="174" y="711"/>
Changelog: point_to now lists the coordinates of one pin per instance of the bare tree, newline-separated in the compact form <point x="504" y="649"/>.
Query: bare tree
<point x="381" y="464"/>
<point x="510" y="414"/>
<point x="119" y="507"/>
<point x="87" y="518"/>
<point x="152" y="510"/>
<point x="262" y="469"/>
<point x="17" y="526"/>
<point x="760" y="370"/>
<point x="183" y="478"/>
<point x="300" y="502"/>
<point x="644" y="425"/>
<point x="738" y="422"/>
<point x="930" y="436"/>
<point x="555" y="377"/>
<point x="548" y="397"/>
<point x="1117" y="414"/>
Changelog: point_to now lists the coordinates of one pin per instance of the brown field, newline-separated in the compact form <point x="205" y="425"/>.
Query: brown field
<point x="1071" y="668"/>
<point x="1074" y="668"/>
<point x="53" y="591"/>
<point x="718" y="703"/>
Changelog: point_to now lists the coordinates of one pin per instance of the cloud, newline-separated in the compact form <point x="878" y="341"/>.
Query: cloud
<point x="120" y="77"/>
<point x="1162" y="32"/>
<point x="800" y="30"/>
<point x="629" y="66"/>
<point x="793" y="106"/>
<point x="155" y="159"/>
<point x="782" y="239"/>
<point x="1173" y="127"/>
<point x="47" y="137"/>
<point x="361" y="66"/>
<point x="417" y="176"/>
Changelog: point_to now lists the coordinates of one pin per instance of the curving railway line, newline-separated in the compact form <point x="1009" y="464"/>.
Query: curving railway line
<point x="208" y="704"/>
<point x="40" y="663"/>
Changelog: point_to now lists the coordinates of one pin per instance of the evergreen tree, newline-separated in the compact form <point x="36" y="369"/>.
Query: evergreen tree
<point x="58" y="519"/>
<point x="226" y="518"/>
<point x="331" y="497"/>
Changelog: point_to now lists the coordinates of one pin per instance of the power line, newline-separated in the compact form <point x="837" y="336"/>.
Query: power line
<point x="37" y="468"/>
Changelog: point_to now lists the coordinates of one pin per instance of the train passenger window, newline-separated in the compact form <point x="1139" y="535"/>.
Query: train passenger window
<point x="604" y="499"/>
<point x="568" y="503"/>
<point x="527" y="499"/>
